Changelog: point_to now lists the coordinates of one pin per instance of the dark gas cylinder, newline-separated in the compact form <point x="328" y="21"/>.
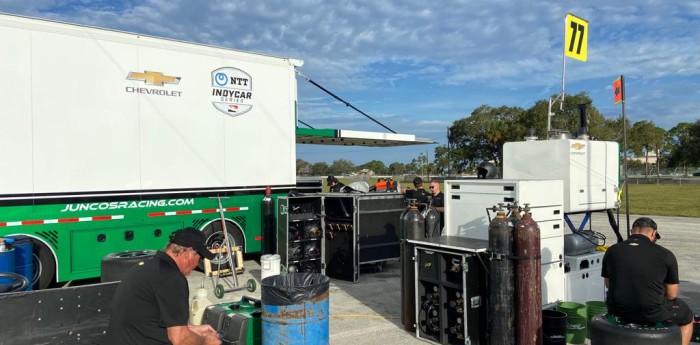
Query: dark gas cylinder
<point x="501" y="281"/>
<point x="432" y="221"/>
<point x="514" y="215"/>
<point x="269" y="237"/>
<point x="412" y="227"/>
<point x="528" y="275"/>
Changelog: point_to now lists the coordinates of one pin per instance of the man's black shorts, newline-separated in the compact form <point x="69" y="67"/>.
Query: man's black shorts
<point x="677" y="311"/>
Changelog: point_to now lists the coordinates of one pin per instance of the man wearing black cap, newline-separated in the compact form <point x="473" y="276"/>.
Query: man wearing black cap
<point x="420" y="194"/>
<point x="151" y="305"/>
<point x="642" y="280"/>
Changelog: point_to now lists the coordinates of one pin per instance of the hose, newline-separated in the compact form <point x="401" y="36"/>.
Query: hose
<point x="19" y="283"/>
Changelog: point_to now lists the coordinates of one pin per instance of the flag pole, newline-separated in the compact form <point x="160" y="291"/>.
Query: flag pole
<point x="560" y="97"/>
<point x="624" y="148"/>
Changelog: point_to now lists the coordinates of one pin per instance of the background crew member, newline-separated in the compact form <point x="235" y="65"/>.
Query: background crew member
<point x="334" y="186"/>
<point x="420" y="194"/>
<point x="438" y="200"/>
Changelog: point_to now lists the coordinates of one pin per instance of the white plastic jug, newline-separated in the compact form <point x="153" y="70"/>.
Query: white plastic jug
<point x="200" y="302"/>
<point x="269" y="265"/>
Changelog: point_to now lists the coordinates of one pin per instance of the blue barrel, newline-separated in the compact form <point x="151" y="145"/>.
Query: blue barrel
<point x="7" y="264"/>
<point x="24" y="258"/>
<point x="295" y="309"/>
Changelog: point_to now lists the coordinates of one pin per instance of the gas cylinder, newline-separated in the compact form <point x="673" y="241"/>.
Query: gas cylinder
<point x="412" y="227"/>
<point x="432" y="221"/>
<point x="408" y="208"/>
<point x="199" y="304"/>
<point x="413" y="223"/>
<point x="514" y="215"/>
<point x="528" y="275"/>
<point x="269" y="237"/>
<point x="501" y="280"/>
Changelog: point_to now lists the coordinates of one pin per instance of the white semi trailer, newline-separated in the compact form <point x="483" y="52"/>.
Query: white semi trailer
<point x="112" y="140"/>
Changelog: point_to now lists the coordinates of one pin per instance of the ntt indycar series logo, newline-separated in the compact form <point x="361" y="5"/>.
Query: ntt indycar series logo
<point x="232" y="91"/>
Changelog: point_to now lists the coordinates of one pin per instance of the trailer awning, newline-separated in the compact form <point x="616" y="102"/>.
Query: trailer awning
<point x="356" y="138"/>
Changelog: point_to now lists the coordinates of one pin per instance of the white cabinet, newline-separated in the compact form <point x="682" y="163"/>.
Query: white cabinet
<point x="552" y="249"/>
<point x="583" y="280"/>
<point x="468" y="204"/>
<point x="590" y="169"/>
<point x="553" y="287"/>
<point x="585" y="285"/>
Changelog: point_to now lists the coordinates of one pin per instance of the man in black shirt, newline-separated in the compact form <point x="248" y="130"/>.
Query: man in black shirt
<point x="642" y="278"/>
<point x="151" y="305"/>
<point x="438" y="200"/>
<point x="420" y="194"/>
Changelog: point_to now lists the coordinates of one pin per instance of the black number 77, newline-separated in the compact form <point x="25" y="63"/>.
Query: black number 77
<point x="576" y="27"/>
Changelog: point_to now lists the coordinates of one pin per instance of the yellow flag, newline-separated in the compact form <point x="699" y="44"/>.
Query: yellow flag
<point x="576" y="43"/>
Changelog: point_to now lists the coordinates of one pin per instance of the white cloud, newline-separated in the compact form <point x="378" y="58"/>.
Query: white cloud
<point x="458" y="54"/>
<point x="470" y="41"/>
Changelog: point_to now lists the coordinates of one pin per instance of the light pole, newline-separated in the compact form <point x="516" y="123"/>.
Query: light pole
<point x="422" y="164"/>
<point x="427" y="168"/>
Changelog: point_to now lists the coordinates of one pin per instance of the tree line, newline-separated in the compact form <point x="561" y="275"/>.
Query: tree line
<point x="480" y="137"/>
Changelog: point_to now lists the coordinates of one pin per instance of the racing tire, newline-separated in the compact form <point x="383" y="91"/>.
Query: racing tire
<point x="115" y="265"/>
<point x="605" y="332"/>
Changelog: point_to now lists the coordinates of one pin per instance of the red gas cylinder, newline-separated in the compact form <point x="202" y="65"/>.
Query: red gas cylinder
<point x="528" y="275"/>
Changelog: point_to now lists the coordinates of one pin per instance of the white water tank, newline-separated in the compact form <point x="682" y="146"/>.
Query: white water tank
<point x="590" y="169"/>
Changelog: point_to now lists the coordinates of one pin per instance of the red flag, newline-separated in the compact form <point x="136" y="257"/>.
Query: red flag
<point x="617" y="87"/>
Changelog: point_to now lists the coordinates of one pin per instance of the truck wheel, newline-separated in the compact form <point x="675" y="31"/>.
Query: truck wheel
<point x="115" y="265"/>
<point x="44" y="266"/>
<point x="215" y="239"/>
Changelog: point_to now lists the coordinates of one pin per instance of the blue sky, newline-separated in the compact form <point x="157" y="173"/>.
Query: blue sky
<point x="417" y="66"/>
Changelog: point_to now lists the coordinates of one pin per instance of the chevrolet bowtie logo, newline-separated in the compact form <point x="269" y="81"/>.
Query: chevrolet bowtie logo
<point x="153" y="78"/>
<point x="577" y="146"/>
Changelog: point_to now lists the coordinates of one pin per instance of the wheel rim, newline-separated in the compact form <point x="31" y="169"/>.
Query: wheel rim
<point x="251" y="285"/>
<point x="132" y="254"/>
<point x="216" y="240"/>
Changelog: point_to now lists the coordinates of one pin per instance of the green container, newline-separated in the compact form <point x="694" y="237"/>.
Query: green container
<point x="572" y="308"/>
<point x="594" y="308"/>
<point x="237" y="322"/>
<point x="576" y="319"/>
<point x="575" y="329"/>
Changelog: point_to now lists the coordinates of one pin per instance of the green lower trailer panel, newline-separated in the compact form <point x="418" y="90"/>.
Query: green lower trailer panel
<point x="237" y="323"/>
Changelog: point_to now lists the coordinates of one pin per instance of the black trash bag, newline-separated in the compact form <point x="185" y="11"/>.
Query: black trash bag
<point x="295" y="192"/>
<point x="293" y="288"/>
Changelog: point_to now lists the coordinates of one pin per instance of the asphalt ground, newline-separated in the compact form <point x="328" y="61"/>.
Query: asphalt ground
<point x="368" y="312"/>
